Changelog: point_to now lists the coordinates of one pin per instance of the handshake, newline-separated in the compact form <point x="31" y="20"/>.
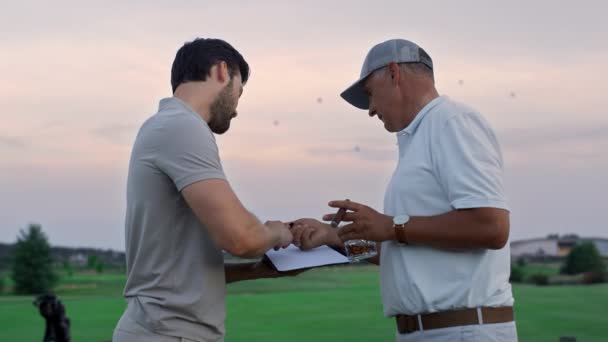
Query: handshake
<point x="306" y="233"/>
<point x="363" y="223"/>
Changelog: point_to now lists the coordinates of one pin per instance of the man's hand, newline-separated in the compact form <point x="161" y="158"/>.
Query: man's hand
<point x="366" y="223"/>
<point x="283" y="231"/>
<point x="309" y="233"/>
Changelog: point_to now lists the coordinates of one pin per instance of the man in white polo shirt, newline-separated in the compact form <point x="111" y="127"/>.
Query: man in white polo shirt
<point x="444" y="258"/>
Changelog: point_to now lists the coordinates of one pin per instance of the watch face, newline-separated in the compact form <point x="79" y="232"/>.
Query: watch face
<point x="401" y="219"/>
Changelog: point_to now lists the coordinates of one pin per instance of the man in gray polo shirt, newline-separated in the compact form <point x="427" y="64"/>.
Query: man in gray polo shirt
<point x="444" y="258"/>
<point x="181" y="210"/>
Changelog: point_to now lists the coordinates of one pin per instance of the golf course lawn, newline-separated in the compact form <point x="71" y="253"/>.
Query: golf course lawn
<point x="328" y="304"/>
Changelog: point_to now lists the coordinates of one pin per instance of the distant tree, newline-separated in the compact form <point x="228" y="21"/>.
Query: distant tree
<point x="67" y="267"/>
<point x="2" y="283"/>
<point x="99" y="267"/>
<point x="517" y="275"/>
<point x="583" y="258"/>
<point x="539" y="279"/>
<point x="595" y="277"/>
<point x="92" y="262"/>
<point x="521" y="262"/>
<point x="32" y="270"/>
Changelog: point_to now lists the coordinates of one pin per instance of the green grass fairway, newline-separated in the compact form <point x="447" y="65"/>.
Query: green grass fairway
<point x="330" y="304"/>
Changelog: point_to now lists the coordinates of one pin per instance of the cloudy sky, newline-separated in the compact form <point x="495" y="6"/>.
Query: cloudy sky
<point x="78" y="78"/>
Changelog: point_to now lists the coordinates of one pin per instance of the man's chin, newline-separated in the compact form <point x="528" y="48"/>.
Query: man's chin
<point x="387" y="127"/>
<point x="220" y="130"/>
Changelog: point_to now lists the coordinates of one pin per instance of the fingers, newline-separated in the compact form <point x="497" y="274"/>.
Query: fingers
<point x="350" y="232"/>
<point x="297" y="232"/>
<point x="338" y="217"/>
<point x="348" y="217"/>
<point x="306" y="221"/>
<point x="307" y="241"/>
<point x="307" y="237"/>
<point x="302" y="236"/>
<point x="350" y="205"/>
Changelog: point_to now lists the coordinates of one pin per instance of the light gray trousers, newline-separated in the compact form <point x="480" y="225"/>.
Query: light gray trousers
<point x="128" y="330"/>
<point x="499" y="332"/>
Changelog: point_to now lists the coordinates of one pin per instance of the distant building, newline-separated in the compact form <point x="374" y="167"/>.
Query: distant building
<point x="554" y="246"/>
<point x="78" y="259"/>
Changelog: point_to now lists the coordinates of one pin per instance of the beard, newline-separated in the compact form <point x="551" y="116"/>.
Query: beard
<point x="222" y="110"/>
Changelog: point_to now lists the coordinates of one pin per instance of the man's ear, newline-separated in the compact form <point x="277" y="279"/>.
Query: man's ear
<point x="394" y="72"/>
<point x="222" y="72"/>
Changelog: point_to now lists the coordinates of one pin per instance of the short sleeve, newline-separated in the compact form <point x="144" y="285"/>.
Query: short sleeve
<point x="187" y="152"/>
<point x="468" y="163"/>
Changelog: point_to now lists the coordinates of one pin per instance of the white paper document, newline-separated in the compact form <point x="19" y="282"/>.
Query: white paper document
<point x="292" y="258"/>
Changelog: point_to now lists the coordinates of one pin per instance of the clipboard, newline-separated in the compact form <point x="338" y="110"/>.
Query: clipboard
<point x="292" y="258"/>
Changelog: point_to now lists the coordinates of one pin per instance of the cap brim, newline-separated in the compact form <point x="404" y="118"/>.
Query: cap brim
<point x="356" y="95"/>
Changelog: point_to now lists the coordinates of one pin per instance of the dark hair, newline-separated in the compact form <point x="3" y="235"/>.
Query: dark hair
<point x="194" y="60"/>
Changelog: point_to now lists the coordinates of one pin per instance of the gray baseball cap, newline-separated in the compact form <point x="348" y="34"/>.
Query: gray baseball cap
<point x="394" y="50"/>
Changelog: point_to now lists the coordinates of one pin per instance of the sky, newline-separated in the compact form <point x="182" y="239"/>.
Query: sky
<point x="79" y="78"/>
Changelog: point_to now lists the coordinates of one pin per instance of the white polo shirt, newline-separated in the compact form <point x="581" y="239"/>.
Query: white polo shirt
<point x="449" y="158"/>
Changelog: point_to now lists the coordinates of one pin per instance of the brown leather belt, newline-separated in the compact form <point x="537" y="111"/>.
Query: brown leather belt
<point x="445" y="319"/>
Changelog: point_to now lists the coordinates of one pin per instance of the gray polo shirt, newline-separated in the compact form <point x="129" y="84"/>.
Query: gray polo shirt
<point x="175" y="272"/>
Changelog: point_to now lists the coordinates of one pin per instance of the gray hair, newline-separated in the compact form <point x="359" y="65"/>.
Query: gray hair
<point x="419" y="68"/>
<point x="416" y="68"/>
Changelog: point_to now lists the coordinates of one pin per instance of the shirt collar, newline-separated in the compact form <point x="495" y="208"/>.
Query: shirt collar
<point x="174" y="102"/>
<point x="413" y="126"/>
